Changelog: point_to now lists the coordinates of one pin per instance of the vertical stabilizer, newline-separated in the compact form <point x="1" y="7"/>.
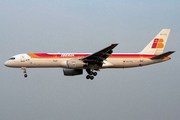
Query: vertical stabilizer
<point x="156" y="46"/>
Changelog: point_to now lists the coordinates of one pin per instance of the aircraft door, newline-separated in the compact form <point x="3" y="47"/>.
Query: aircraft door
<point x="141" y="58"/>
<point x="22" y="59"/>
<point x="55" y="58"/>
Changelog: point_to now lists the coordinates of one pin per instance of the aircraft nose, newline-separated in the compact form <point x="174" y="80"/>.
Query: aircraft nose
<point x="6" y="63"/>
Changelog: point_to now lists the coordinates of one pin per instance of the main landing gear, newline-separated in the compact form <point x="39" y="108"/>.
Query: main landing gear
<point x="91" y="74"/>
<point x="24" y="68"/>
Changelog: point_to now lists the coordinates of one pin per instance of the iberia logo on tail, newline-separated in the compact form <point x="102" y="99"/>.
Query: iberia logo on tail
<point x="158" y="43"/>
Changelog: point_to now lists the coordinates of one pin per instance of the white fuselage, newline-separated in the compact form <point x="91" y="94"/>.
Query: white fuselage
<point x="118" y="61"/>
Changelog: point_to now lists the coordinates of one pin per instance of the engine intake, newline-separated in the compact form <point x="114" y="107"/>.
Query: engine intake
<point x="72" y="72"/>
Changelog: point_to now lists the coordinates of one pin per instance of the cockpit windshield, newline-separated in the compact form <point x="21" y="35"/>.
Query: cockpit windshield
<point x="13" y="58"/>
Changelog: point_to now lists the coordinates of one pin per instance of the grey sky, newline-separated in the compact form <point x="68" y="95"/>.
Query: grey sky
<point x="150" y="92"/>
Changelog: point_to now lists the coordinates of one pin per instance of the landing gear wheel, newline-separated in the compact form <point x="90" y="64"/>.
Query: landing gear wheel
<point x="91" y="77"/>
<point x="90" y="73"/>
<point x="94" y="73"/>
<point x="25" y="75"/>
<point x="87" y="77"/>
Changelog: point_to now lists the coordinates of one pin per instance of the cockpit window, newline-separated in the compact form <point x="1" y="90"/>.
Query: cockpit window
<point x="13" y="58"/>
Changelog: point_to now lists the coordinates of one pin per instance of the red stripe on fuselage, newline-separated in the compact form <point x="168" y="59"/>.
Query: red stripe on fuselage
<point x="84" y="55"/>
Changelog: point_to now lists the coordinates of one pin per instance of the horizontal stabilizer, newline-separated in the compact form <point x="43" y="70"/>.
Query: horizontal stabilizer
<point x="162" y="56"/>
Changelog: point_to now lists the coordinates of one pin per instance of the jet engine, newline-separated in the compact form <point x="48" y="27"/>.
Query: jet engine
<point x="72" y="72"/>
<point x="73" y="64"/>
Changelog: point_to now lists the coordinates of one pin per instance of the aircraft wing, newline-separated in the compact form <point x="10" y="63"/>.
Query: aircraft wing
<point x="99" y="56"/>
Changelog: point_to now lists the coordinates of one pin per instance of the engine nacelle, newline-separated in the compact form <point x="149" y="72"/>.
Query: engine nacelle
<point x="72" y="72"/>
<point x="73" y="64"/>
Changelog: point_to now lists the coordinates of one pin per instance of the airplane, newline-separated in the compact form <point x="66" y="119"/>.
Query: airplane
<point x="74" y="63"/>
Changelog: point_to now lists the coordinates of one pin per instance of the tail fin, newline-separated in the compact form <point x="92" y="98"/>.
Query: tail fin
<point x="156" y="46"/>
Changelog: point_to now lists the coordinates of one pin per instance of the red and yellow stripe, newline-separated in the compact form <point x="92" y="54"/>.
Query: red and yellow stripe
<point x="46" y="55"/>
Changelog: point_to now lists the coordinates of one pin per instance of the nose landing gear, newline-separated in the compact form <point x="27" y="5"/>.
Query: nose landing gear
<point x="24" y="68"/>
<point x="91" y="74"/>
